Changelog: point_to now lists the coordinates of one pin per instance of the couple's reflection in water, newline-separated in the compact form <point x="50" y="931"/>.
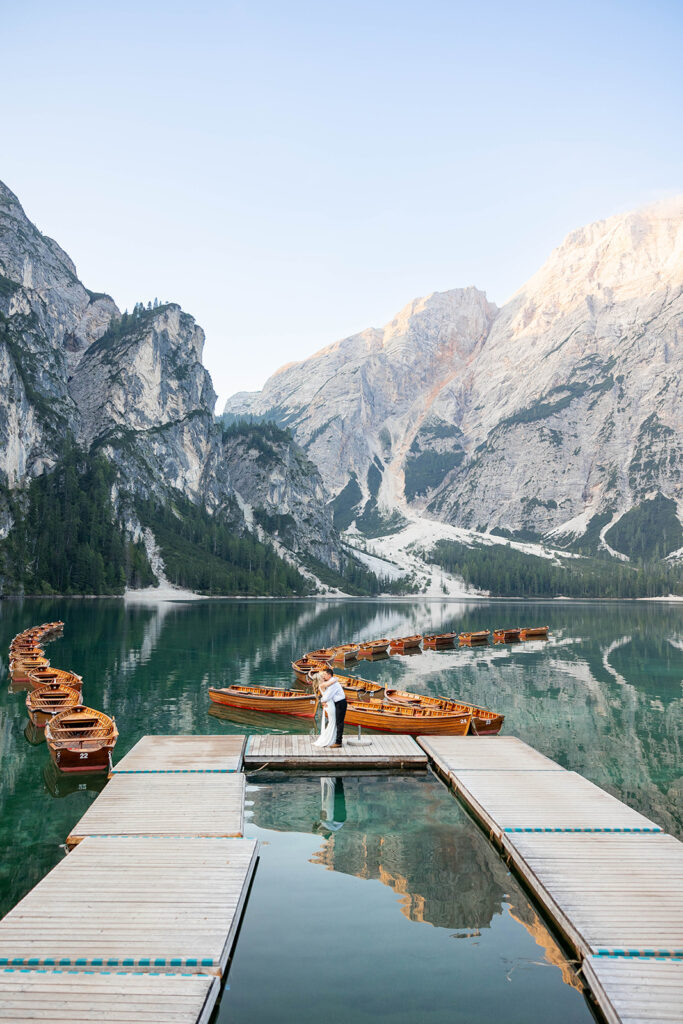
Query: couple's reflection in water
<point x="332" y="806"/>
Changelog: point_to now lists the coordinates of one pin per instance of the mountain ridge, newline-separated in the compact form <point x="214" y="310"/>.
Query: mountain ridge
<point x="566" y="406"/>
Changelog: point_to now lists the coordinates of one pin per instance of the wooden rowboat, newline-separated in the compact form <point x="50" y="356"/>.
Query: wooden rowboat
<point x="323" y="654"/>
<point x="382" y="717"/>
<point x="305" y="665"/>
<point x="355" y="687"/>
<point x="38" y="677"/>
<point x="484" y="722"/>
<point x="47" y="701"/>
<point x="471" y="639"/>
<point x="81" y="739"/>
<point x="344" y="653"/>
<point x="266" y="698"/>
<point x="534" y="633"/>
<point x="506" y="636"/>
<point x="20" y="667"/>
<point x="439" y="640"/>
<point x="405" y="643"/>
<point x="372" y="647"/>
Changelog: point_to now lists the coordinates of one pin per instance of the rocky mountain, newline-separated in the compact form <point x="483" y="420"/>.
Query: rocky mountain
<point x="558" y="416"/>
<point x="129" y="392"/>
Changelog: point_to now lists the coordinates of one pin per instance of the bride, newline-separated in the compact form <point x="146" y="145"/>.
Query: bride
<point x="328" y="727"/>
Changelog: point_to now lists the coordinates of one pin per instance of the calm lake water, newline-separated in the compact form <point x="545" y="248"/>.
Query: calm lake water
<point x="376" y="897"/>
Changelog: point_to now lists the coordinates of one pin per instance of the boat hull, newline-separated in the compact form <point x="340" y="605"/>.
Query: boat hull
<point x="299" y="707"/>
<point x="484" y="722"/>
<point x="19" y="670"/>
<point x="412" y="725"/>
<point x="76" y="761"/>
<point x="444" y="640"/>
<point x="537" y="633"/>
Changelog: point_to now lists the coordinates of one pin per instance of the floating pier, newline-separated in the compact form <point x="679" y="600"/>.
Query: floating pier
<point x="166" y="804"/>
<point x="138" y="922"/>
<point x="118" y="998"/>
<point x="609" y="878"/>
<point x="183" y="754"/>
<point x="379" y="751"/>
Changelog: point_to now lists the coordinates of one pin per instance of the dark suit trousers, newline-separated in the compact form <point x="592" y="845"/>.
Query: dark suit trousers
<point x="340" y="715"/>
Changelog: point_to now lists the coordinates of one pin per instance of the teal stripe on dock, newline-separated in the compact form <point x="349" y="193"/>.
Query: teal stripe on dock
<point x="517" y="828"/>
<point x="645" y="954"/>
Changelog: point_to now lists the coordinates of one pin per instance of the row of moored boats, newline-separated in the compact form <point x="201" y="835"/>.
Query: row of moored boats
<point x="79" y="738"/>
<point x="371" y="705"/>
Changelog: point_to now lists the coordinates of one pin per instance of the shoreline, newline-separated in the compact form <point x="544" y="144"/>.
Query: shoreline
<point x="168" y="596"/>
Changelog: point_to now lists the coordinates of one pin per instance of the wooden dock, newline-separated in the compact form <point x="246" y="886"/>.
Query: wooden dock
<point x="165" y="804"/>
<point x="610" y="879"/>
<point x="119" y="998"/>
<point x="134" y="904"/>
<point x="138" y="922"/>
<point x="380" y="751"/>
<point x="649" y="991"/>
<point x="183" y="754"/>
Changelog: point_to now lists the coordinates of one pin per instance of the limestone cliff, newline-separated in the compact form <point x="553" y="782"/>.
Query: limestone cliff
<point x="552" y="416"/>
<point x="131" y="388"/>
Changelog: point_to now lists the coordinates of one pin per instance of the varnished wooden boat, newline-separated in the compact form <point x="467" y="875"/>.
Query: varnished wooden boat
<point x="383" y="717"/>
<point x="42" y="676"/>
<point x="481" y="636"/>
<point x="16" y="653"/>
<point x="266" y="698"/>
<point x="372" y="647"/>
<point x="45" y="702"/>
<point x="344" y="653"/>
<point x="355" y="687"/>
<point x="439" y="640"/>
<point x="534" y="633"/>
<point x="405" y="643"/>
<point x="484" y="722"/>
<point x="322" y="654"/>
<point x="305" y="665"/>
<point x="506" y="636"/>
<point x="20" y="667"/>
<point x="81" y="739"/>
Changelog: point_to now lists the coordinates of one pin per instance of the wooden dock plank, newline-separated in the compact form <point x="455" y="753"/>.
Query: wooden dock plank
<point x="179" y="754"/>
<point x="607" y="891"/>
<point x="296" y="751"/>
<point x="196" y="804"/>
<point x="636" y="990"/>
<point x="485" y="753"/>
<point x="518" y="801"/>
<point x="134" y="903"/>
<point x="80" y="998"/>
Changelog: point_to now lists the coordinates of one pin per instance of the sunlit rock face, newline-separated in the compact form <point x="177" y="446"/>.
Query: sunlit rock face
<point x="564" y="404"/>
<point x="361" y="402"/>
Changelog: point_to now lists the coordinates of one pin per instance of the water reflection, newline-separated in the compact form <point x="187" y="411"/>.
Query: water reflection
<point x="602" y="696"/>
<point x="409" y="834"/>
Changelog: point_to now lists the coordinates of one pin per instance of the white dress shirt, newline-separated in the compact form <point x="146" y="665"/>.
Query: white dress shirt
<point x="333" y="692"/>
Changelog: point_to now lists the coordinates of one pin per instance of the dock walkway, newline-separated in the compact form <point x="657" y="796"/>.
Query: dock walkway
<point x="139" y="920"/>
<point x="379" y="751"/>
<point x="610" y="879"/>
<point x="166" y="805"/>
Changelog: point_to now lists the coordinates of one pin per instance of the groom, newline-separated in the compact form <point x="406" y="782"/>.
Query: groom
<point x="331" y="689"/>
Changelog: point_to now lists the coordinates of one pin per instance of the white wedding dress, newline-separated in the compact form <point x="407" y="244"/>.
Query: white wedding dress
<point x="328" y="727"/>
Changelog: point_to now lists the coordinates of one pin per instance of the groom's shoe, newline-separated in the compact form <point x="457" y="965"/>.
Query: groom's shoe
<point x="335" y="744"/>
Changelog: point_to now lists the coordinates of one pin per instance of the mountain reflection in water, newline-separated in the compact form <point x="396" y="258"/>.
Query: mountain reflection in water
<point x="602" y="696"/>
<point x="410" y="834"/>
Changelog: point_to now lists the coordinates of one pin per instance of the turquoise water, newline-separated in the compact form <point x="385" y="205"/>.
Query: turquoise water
<point x="420" y="917"/>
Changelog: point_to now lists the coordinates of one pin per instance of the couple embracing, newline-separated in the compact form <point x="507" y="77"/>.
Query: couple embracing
<point x="333" y="701"/>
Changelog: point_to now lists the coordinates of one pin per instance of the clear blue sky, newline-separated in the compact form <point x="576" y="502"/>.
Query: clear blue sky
<point x="293" y="172"/>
